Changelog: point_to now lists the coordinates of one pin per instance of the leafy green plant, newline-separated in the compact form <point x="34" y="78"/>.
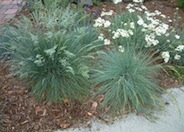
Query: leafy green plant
<point x="54" y="63"/>
<point x="63" y="19"/>
<point x="37" y="5"/>
<point x="127" y="81"/>
<point x="181" y="3"/>
<point x="145" y="31"/>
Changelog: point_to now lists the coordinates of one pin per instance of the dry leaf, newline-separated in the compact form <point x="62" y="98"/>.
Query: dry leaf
<point x="38" y="109"/>
<point x="10" y="92"/>
<point x="106" y="120"/>
<point x="107" y="109"/>
<point x="44" y="112"/>
<point x="67" y="101"/>
<point x="89" y="114"/>
<point x="26" y="121"/>
<point x="93" y="58"/>
<point x="94" y="105"/>
<point x="101" y="99"/>
<point x="65" y="125"/>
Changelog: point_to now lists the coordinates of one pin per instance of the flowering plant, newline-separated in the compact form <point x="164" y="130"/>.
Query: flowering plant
<point x="148" y="31"/>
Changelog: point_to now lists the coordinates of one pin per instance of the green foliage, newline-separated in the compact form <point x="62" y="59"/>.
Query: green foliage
<point x="176" y="72"/>
<point x="127" y="81"/>
<point x="52" y="59"/>
<point x="99" y="2"/>
<point x="125" y="22"/>
<point x="146" y="32"/>
<point x="37" y="5"/>
<point x="181" y="3"/>
<point x="60" y="19"/>
<point x="96" y="2"/>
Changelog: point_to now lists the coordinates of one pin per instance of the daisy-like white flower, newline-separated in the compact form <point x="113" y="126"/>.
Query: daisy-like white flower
<point x="131" y="10"/>
<point x="116" y="35"/>
<point x="177" y="36"/>
<point x="101" y="37"/>
<point x="121" y="49"/>
<point x="166" y="56"/>
<point x="143" y="7"/>
<point x="138" y="1"/>
<point x="180" y="48"/>
<point x="107" y="42"/>
<point x="132" y="25"/>
<point x="140" y="22"/>
<point x="107" y="24"/>
<point x="110" y="13"/>
<point x="117" y="1"/>
<point x="177" y="57"/>
<point x="99" y="22"/>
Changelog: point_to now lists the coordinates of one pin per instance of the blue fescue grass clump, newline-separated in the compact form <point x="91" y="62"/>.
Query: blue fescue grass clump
<point x="127" y="81"/>
<point x="51" y="57"/>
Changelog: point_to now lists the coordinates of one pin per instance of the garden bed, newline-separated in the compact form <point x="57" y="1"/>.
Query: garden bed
<point x="21" y="112"/>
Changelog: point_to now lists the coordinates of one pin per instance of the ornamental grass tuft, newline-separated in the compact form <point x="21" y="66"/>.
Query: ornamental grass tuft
<point x="52" y="62"/>
<point x="127" y="82"/>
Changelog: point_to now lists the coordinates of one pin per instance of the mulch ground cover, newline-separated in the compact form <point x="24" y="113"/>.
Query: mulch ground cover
<point x="20" y="112"/>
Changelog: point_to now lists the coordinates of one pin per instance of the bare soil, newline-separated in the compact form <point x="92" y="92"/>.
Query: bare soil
<point x="20" y="112"/>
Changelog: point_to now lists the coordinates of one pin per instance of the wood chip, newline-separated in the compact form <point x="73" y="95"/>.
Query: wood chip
<point x="24" y="122"/>
<point x="89" y="114"/>
<point x="94" y="106"/>
<point x="65" y="125"/>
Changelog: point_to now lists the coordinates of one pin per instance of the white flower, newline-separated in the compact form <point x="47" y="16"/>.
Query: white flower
<point x="138" y="1"/>
<point x="132" y="26"/>
<point x="168" y="41"/>
<point x="163" y="16"/>
<point x="167" y="34"/>
<point x="140" y="21"/>
<point x="160" y="30"/>
<point x="116" y="35"/>
<point x="125" y="24"/>
<point x="121" y="49"/>
<point x="107" y="42"/>
<point x="130" y="32"/>
<point x="150" y="39"/>
<point x="143" y="7"/>
<point x="101" y="37"/>
<point x="99" y="22"/>
<point x="177" y="36"/>
<point x="166" y="56"/>
<point x="117" y="1"/>
<point x="107" y="24"/>
<point x="123" y="33"/>
<point x="177" y="57"/>
<point x="129" y="6"/>
<point x="138" y="9"/>
<point x="157" y="12"/>
<point x="110" y="13"/>
<point x="180" y="48"/>
<point x="131" y="10"/>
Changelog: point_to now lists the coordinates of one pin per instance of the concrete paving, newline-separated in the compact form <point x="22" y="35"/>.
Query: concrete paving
<point x="170" y="120"/>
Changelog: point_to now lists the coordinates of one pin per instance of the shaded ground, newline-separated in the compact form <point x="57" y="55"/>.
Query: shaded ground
<point x="19" y="112"/>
